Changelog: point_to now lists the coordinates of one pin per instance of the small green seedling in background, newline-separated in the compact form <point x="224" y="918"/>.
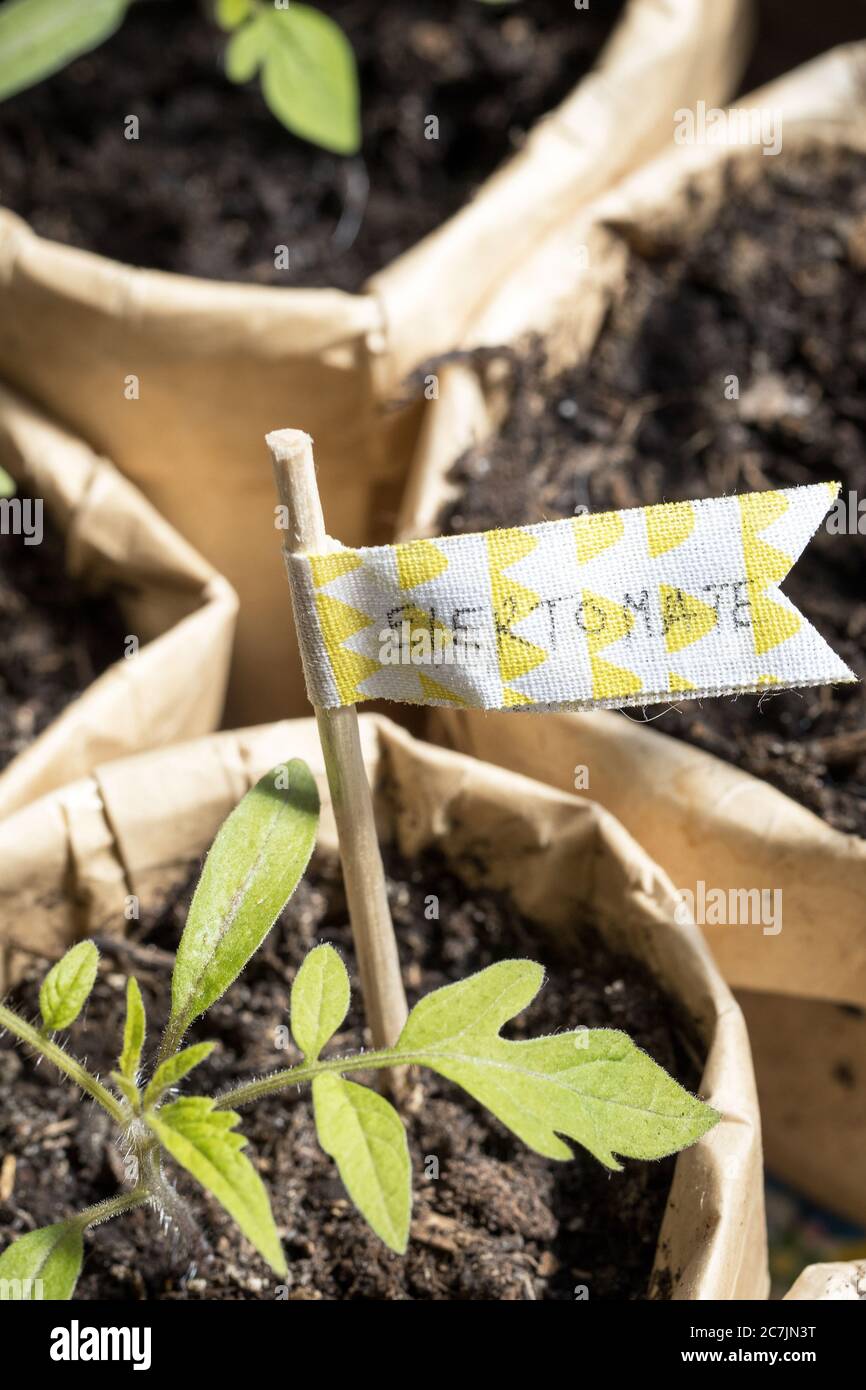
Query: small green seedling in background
<point x="305" y="63"/>
<point x="593" y="1086"/>
<point x="7" y="485"/>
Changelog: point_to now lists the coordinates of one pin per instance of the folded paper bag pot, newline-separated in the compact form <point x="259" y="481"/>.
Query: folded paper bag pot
<point x="138" y="825"/>
<point x="698" y="817"/>
<point x="174" y="603"/>
<point x="844" y="1281"/>
<point x="217" y="365"/>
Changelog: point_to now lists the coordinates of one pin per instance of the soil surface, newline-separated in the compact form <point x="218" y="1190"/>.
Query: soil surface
<point x="214" y="183"/>
<point x="772" y="293"/>
<point x="499" y="1222"/>
<point x="55" y="638"/>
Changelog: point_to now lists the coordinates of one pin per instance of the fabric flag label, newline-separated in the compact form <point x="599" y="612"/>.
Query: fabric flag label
<point x="659" y="603"/>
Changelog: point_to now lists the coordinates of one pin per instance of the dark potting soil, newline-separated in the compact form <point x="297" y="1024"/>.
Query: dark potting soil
<point x="499" y="1222"/>
<point x="772" y="293"/>
<point x="214" y="183"/>
<point x="55" y="638"/>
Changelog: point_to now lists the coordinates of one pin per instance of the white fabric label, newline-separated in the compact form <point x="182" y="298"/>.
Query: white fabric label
<point x="623" y="608"/>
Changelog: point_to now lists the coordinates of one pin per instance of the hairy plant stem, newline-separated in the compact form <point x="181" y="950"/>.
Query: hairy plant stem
<point x="61" y="1059"/>
<point x="171" y="1041"/>
<point x="104" y="1211"/>
<point x="308" y="1071"/>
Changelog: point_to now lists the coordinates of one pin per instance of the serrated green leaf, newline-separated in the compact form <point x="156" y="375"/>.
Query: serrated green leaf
<point x="38" y="37"/>
<point x="364" y="1135"/>
<point x="7" y="484"/>
<point x="175" y="1068"/>
<point x="320" y="1000"/>
<point x="202" y="1140"/>
<point x="67" y="985"/>
<point x="230" y="13"/>
<point x="593" y="1085"/>
<point x="309" y="78"/>
<point x="133" y="1031"/>
<point x="44" y="1264"/>
<point x="252" y="870"/>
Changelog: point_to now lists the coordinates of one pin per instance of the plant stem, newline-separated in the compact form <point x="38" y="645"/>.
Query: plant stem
<point x="103" y="1211"/>
<point x="61" y="1059"/>
<point x="307" y="1071"/>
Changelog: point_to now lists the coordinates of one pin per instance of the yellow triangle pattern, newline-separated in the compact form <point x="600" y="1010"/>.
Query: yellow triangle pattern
<point x="324" y="568"/>
<point x="432" y="690"/>
<point x="418" y="562"/>
<point x="512" y="602"/>
<point x="339" y="621"/>
<point x="668" y="526"/>
<point x="417" y="618"/>
<point x="513" y="699"/>
<point x="765" y="565"/>
<point x="685" y="619"/>
<point x="596" y="532"/>
<point x="607" y="622"/>
<point x="611" y="682"/>
<point x="678" y="682"/>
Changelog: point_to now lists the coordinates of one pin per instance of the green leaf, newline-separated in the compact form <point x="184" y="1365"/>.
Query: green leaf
<point x="8" y="487"/>
<point x="44" y="1264"/>
<point x="127" y="1088"/>
<point x="364" y="1134"/>
<point x="247" y="49"/>
<point x="133" y="1031"/>
<point x="202" y="1141"/>
<point x="230" y="13"/>
<point x="320" y="1000"/>
<point x="38" y="37"/>
<point x="594" y="1086"/>
<point x="252" y="870"/>
<point x="170" y="1072"/>
<point x="67" y="985"/>
<point x="309" y="78"/>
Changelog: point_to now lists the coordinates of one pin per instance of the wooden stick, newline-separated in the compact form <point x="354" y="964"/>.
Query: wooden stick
<point x="363" y="874"/>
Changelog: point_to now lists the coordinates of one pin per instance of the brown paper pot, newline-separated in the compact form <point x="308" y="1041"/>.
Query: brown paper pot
<point x="843" y="1281"/>
<point x="809" y="1057"/>
<point x="219" y="365"/>
<point x="698" y="817"/>
<point x="136" y="826"/>
<point x="561" y="293"/>
<point x="172" y="599"/>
